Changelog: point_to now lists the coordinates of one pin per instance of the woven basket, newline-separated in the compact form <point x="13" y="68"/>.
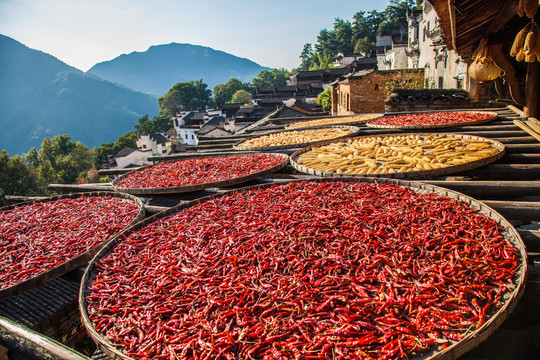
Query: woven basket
<point x="410" y="174"/>
<point x="73" y="263"/>
<point x="354" y="131"/>
<point x="493" y="116"/>
<point x="453" y="351"/>
<point x="198" y="187"/>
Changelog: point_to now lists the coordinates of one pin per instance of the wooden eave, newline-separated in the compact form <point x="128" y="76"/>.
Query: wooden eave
<point x="465" y="22"/>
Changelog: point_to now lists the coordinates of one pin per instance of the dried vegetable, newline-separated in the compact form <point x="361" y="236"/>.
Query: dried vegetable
<point x="333" y="121"/>
<point x="39" y="236"/>
<point x="526" y="45"/>
<point x="528" y="8"/>
<point x="295" y="137"/>
<point x="483" y="67"/>
<point x="395" y="154"/>
<point x="304" y="270"/>
<point x="432" y="119"/>
<point x="198" y="171"/>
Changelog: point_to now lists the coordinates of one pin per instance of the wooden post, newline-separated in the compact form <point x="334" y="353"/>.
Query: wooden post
<point x="531" y="90"/>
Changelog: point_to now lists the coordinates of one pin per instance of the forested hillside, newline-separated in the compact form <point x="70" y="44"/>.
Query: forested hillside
<point x="40" y="96"/>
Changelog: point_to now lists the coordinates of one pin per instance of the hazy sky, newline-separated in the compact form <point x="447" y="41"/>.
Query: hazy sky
<point x="82" y="33"/>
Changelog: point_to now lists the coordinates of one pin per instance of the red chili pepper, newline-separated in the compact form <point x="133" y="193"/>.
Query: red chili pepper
<point x="198" y="171"/>
<point x="304" y="270"/>
<point x="39" y="236"/>
<point x="432" y="119"/>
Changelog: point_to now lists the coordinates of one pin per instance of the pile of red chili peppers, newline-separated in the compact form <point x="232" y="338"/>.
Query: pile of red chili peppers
<point x="432" y="119"/>
<point x="199" y="171"/>
<point x="39" y="236"/>
<point x="304" y="270"/>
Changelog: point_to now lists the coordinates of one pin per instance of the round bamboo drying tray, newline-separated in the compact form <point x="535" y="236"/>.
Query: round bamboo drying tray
<point x="454" y="350"/>
<point x="336" y="120"/>
<point x="74" y="262"/>
<point x="493" y="116"/>
<point x="410" y="174"/>
<point x="354" y="131"/>
<point x="197" y="187"/>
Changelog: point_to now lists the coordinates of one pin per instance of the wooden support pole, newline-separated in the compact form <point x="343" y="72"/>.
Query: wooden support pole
<point x="532" y="92"/>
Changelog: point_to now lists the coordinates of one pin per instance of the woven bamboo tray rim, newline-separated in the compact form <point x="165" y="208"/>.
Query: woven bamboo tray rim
<point x="355" y="130"/>
<point x="74" y="262"/>
<point x="493" y="116"/>
<point x="456" y="349"/>
<point x="409" y="174"/>
<point x="202" y="186"/>
<point x="344" y="122"/>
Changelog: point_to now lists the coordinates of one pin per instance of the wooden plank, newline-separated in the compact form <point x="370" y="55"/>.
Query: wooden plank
<point x="516" y="110"/>
<point x="487" y="188"/>
<point x="188" y="155"/>
<point x="523" y="148"/>
<point x="33" y="345"/>
<point x="116" y="171"/>
<point x="531" y="238"/>
<point x="520" y="158"/>
<point x="516" y="210"/>
<point x="527" y="129"/>
<point x="81" y="187"/>
<point x="505" y="172"/>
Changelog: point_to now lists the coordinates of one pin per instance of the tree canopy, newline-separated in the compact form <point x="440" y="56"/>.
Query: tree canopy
<point x="241" y="97"/>
<point x="357" y="36"/>
<point x="191" y="95"/>
<point x="223" y="93"/>
<point x="269" y="78"/>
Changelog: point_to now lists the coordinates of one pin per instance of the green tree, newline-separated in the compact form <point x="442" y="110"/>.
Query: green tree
<point x="343" y="36"/>
<point x="18" y="178"/>
<point x="366" y="25"/>
<point x="325" y="99"/>
<point x="305" y="56"/>
<point x="61" y="160"/>
<point x="321" y="62"/>
<point x="191" y="95"/>
<point x="266" y="78"/>
<point x="395" y="15"/>
<point x="241" y="97"/>
<point x="364" y="46"/>
<point x="160" y="123"/>
<point x="223" y="93"/>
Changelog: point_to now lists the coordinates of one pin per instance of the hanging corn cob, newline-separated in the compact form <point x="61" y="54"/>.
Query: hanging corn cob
<point x="528" y="8"/>
<point x="483" y="68"/>
<point x="526" y="45"/>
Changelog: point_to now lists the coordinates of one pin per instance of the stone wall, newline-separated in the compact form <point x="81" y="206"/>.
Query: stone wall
<point x="367" y="94"/>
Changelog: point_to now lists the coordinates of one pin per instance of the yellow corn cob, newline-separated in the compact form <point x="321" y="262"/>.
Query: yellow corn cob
<point x="519" y="40"/>
<point x="530" y="41"/>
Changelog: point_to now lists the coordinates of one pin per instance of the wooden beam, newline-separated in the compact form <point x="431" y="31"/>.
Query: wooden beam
<point x="531" y="89"/>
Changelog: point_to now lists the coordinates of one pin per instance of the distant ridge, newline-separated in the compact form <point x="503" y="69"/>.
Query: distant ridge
<point x="157" y="69"/>
<point x="40" y="96"/>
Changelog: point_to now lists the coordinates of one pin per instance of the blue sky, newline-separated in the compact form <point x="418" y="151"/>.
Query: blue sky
<point x="82" y="33"/>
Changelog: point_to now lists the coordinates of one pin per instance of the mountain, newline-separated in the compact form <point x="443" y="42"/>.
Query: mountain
<point x="40" y="96"/>
<point x="157" y="69"/>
